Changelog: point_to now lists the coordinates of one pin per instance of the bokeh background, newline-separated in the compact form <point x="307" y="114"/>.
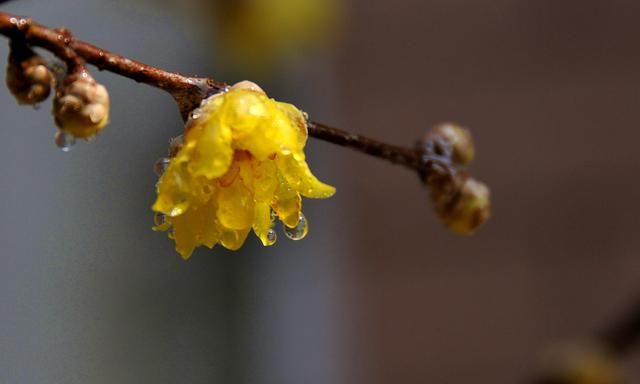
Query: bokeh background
<point x="378" y="292"/>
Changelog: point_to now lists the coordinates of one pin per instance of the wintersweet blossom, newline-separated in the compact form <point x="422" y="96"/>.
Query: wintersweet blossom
<point x="241" y="166"/>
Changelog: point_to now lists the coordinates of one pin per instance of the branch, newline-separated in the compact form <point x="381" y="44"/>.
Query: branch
<point x="439" y="159"/>
<point x="188" y="91"/>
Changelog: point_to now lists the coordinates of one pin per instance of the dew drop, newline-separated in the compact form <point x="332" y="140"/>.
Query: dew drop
<point x="272" y="236"/>
<point x="175" y="144"/>
<point x="299" y="231"/>
<point x="161" y="165"/>
<point x="194" y="115"/>
<point x="159" y="219"/>
<point x="274" y="216"/>
<point x="64" y="141"/>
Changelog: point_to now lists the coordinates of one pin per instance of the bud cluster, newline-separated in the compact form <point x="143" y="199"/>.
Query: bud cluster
<point x="28" y="77"/>
<point x="81" y="106"/>
<point x="462" y="203"/>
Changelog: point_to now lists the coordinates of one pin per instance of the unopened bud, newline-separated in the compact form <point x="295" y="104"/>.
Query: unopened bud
<point x="81" y="106"/>
<point x="457" y="139"/>
<point x="28" y="77"/>
<point x="462" y="203"/>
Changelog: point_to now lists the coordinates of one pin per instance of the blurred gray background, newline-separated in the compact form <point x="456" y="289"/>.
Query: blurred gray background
<point x="378" y="292"/>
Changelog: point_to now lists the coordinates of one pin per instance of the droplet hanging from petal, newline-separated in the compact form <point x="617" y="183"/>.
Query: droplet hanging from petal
<point x="65" y="141"/>
<point x="299" y="231"/>
<point x="161" y="165"/>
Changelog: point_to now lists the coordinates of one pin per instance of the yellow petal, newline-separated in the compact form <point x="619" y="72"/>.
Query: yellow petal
<point x="262" y="223"/>
<point x="287" y="203"/>
<point x="234" y="239"/>
<point x="235" y="206"/>
<point x="173" y="191"/>
<point x="210" y="233"/>
<point x="186" y="229"/>
<point x="212" y="153"/>
<point x="300" y="178"/>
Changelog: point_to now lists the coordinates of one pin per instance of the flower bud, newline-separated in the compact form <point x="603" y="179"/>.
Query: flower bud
<point x="28" y="77"/>
<point x="81" y="106"/>
<point x="462" y="203"/>
<point x="457" y="139"/>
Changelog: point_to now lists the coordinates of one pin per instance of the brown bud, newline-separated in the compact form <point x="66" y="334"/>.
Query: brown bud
<point x="462" y="203"/>
<point x="458" y="140"/>
<point x="28" y="77"/>
<point x="81" y="106"/>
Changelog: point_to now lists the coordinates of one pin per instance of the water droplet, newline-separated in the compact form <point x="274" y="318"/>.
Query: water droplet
<point x="194" y="115"/>
<point x="64" y="141"/>
<point x="274" y="215"/>
<point x="272" y="236"/>
<point x="161" y="165"/>
<point x="299" y="231"/>
<point x="159" y="219"/>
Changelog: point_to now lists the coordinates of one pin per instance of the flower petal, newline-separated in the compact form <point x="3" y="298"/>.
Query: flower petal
<point x="262" y="223"/>
<point x="186" y="229"/>
<point x="287" y="203"/>
<point x="235" y="206"/>
<point x="173" y="191"/>
<point x="208" y="148"/>
<point x="300" y="178"/>
<point x="234" y="239"/>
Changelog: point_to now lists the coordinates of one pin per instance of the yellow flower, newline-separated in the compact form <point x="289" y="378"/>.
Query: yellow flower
<point x="256" y="34"/>
<point x="242" y="165"/>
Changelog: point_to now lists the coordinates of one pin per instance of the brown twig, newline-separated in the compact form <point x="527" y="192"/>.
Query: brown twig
<point x="188" y="91"/>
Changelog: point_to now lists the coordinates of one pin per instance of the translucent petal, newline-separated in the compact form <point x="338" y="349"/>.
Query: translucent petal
<point x="262" y="223"/>
<point x="235" y="206"/>
<point x="287" y="203"/>
<point x="299" y="121"/>
<point x="210" y="233"/>
<point x="265" y="174"/>
<point x="212" y="154"/>
<point x="244" y="110"/>
<point x="234" y="239"/>
<point x="275" y="131"/>
<point x="186" y="229"/>
<point x="173" y="191"/>
<point x="300" y="178"/>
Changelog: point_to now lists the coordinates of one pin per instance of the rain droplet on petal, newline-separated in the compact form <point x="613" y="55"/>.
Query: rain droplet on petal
<point x="64" y="141"/>
<point x="194" y="115"/>
<point x="274" y="216"/>
<point x="159" y="219"/>
<point x="299" y="231"/>
<point x="272" y="236"/>
<point x="161" y="165"/>
<point x="175" y="144"/>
